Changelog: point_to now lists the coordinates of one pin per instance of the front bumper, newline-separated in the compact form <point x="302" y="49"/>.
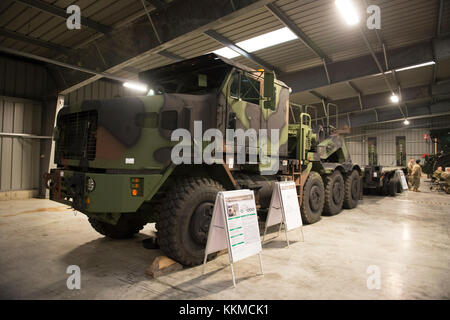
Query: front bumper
<point x="113" y="192"/>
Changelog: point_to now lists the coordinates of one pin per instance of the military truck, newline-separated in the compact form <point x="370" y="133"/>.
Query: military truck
<point x="114" y="162"/>
<point x="384" y="181"/>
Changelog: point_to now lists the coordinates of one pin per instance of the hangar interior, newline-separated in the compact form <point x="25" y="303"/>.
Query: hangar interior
<point x="324" y="61"/>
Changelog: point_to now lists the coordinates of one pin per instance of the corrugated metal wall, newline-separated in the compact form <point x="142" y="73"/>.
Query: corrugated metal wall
<point x="386" y="144"/>
<point x="19" y="156"/>
<point x="23" y="87"/>
<point x="100" y="89"/>
<point x="22" y="79"/>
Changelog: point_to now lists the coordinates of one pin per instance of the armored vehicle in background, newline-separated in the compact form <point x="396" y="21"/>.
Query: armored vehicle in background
<point x="114" y="156"/>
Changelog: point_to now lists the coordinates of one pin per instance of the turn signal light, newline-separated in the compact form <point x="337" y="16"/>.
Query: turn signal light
<point x="137" y="187"/>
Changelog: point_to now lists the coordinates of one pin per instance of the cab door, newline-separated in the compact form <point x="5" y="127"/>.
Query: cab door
<point x="243" y="107"/>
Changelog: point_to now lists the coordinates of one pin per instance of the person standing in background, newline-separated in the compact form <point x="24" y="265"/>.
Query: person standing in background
<point x="416" y="174"/>
<point x="410" y="167"/>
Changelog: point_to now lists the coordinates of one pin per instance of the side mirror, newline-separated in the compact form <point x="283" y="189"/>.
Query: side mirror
<point x="269" y="90"/>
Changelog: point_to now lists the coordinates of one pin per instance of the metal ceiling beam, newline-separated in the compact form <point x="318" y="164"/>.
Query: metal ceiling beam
<point x="383" y="98"/>
<point x="4" y="4"/>
<point x="359" y="67"/>
<point x="60" y="64"/>
<point x="170" y="55"/>
<point x="61" y="13"/>
<point x="439" y="18"/>
<point x="38" y="42"/>
<point x="297" y="31"/>
<point x="358" y="93"/>
<point x="230" y="44"/>
<point x="383" y="46"/>
<point x="158" y="4"/>
<point x="133" y="43"/>
<point x="318" y="95"/>
<point x="378" y="108"/>
<point x="359" y="118"/>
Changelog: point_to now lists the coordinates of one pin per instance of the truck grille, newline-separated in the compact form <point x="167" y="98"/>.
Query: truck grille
<point x="77" y="139"/>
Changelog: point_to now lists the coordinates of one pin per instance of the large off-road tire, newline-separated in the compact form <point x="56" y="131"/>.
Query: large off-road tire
<point x="399" y="185"/>
<point x="352" y="190"/>
<point x="392" y="187"/>
<point x="184" y="218"/>
<point x="334" y="193"/>
<point x="128" y="225"/>
<point x="313" y="199"/>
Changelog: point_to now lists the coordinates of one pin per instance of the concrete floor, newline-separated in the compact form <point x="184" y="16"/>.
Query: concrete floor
<point x="407" y="237"/>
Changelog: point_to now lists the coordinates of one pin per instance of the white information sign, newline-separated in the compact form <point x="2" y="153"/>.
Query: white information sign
<point x="403" y="179"/>
<point x="234" y="226"/>
<point x="284" y="208"/>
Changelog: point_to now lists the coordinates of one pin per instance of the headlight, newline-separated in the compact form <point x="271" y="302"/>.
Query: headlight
<point x="90" y="185"/>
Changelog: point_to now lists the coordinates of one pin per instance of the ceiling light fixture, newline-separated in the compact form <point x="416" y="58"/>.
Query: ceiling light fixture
<point x="406" y="122"/>
<point x="135" y="86"/>
<point x="263" y="41"/>
<point x="395" y="98"/>
<point x="430" y="63"/>
<point x="348" y="11"/>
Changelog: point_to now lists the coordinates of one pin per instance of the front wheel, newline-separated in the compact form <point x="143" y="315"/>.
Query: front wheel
<point x="313" y="199"/>
<point x="184" y="218"/>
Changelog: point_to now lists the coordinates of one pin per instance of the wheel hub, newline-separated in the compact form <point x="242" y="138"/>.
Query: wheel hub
<point x="314" y="198"/>
<point x="337" y="192"/>
<point x="200" y="222"/>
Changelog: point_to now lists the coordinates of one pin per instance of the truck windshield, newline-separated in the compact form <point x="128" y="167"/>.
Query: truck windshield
<point x="193" y="82"/>
<point x="196" y="76"/>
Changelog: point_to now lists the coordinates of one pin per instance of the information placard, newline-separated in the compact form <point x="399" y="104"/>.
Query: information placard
<point x="284" y="208"/>
<point x="242" y="224"/>
<point x="403" y="179"/>
<point x="234" y="225"/>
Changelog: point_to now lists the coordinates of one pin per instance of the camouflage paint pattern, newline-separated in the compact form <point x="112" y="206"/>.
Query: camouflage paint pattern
<point x="132" y="140"/>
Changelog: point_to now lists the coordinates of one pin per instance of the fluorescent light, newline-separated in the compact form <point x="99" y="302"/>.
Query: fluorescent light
<point x="263" y="41"/>
<point x="395" y="98"/>
<point x="406" y="122"/>
<point x="348" y="11"/>
<point x="135" y="86"/>
<point x="226" y="53"/>
<point x="417" y="66"/>
<point x="266" y="40"/>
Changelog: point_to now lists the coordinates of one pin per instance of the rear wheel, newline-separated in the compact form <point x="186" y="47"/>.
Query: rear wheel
<point x="399" y="186"/>
<point x="184" y="218"/>
<point x="352" y="190"/>
<point x="128" y="225"/>
<point x="392" y="187"/>
<point x="313" y="199"/>
<point x="334" y="193"/>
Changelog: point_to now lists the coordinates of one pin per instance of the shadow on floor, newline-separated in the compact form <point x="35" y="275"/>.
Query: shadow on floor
<point x="109" y="255"/>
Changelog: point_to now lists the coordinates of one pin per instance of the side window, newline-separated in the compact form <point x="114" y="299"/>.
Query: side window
<point x="234" y="88"/>
<point x="250" y="89"/>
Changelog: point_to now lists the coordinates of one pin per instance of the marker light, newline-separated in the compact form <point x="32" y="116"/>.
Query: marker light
<point x="135" y="86"/>
<point x="395" y="98"/>
<point x="348" y="11"/>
